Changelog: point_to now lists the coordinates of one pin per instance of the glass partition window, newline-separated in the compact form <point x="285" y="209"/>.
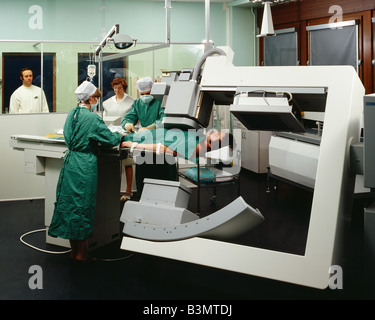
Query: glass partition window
<point x="148" y="60"/>
<point x="54" y="67"/>
<point x="16" y="56"/>
<point x="59" y="67"/>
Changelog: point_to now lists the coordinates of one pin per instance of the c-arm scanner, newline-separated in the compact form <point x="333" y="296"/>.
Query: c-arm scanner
<point x="288" y="101"/>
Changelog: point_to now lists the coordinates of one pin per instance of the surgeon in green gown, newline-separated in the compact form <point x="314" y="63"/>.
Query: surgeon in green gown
<point x="146" y="110"/>
<point x="75" y="204"/>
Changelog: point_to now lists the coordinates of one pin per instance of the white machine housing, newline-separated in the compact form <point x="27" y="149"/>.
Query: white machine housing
<point x="293" y="159"/>
<point x="333" y="188"/>
<point x="162" y="203"/>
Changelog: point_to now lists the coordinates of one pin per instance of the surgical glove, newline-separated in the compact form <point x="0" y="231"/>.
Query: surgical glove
<point x="129" y="127"/>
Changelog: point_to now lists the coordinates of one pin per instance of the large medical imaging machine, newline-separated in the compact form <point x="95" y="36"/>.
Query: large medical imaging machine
<point x="315" y="113"/>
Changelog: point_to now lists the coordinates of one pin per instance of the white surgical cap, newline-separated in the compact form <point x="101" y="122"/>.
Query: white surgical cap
<point x="144" y="84"/>
<point x="85" y="90"/>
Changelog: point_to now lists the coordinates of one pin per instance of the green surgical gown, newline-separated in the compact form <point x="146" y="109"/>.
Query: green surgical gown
<point x="146" y="114"/>
<point x="75" y="204"/>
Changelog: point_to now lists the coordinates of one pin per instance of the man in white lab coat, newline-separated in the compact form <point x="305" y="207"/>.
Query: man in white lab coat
<point x="28" y="98"/>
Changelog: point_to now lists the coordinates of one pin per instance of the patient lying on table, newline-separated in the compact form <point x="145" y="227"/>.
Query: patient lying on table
<point x="188" y="144"/>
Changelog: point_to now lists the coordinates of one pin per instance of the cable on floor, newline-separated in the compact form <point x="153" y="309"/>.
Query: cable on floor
<point x="61" y="252"/>
<point x="39" y="249"/>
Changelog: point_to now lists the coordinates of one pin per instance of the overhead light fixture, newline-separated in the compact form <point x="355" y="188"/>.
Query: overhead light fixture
<point x="267" y="23"/>
<point x="120" y="40"/>
<point x="123" y="41"/>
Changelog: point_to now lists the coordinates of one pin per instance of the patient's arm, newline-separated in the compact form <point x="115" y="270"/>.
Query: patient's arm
<point x="149" y="147"/>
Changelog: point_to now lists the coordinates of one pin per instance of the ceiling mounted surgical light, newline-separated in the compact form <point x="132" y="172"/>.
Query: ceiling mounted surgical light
<point x="120" y="40"/>
<point x="267" y="23"/>
<point x="123" y="41"/>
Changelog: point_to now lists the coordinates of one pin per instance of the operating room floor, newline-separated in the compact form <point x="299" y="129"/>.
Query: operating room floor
<point x="137" y="276"/>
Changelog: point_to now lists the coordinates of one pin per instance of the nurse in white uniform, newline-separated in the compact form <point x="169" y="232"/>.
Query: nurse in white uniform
<point x="117" y="106"/>
<point x="120" y="103"/>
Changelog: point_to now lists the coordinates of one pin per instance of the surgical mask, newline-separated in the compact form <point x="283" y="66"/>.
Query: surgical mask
<point x="147" y="98"/>
<point x="93" y="106"/>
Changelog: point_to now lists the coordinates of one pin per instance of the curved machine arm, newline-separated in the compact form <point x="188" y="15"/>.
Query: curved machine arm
<point x="233" y="220"/>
